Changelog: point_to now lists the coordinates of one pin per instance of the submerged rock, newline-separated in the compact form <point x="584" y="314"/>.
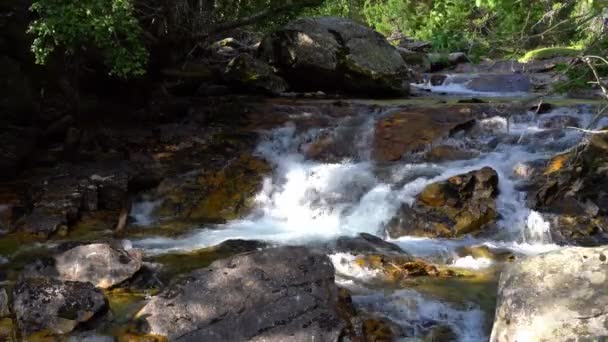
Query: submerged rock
<point x="54" y="305"/>
<point x="564" y="297"/>
<point x="331" y="53"/>
<point x="278" y="294"/>
<point x="461" y="205"/>
<point x="366" y="243"/>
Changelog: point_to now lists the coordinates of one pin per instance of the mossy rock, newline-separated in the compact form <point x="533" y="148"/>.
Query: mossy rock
<point x="548" y="53"/>
<point x="215" y="195"/>
<point x="175" y="264"/>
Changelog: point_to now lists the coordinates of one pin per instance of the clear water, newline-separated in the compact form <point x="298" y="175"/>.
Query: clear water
<point x="307" y="201"/>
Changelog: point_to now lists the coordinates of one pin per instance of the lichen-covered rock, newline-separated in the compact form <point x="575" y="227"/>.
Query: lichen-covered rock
<point x="53" y="305"/>
<point x="280" y="294"/>
<point x="254" y="74"/>
<point x="564" y="297"/>
<point x="461" y="205"/>
<point x="330" y="53"/>
<point x="100" y="264"/>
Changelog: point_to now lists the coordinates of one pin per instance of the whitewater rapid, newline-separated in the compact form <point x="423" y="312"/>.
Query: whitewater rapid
<point x="311" y="202"/>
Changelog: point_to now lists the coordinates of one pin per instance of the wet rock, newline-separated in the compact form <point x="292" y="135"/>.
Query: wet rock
<point x="542" y="108"/>
<point x="564" y="299"/>
<point x="444" y="153"/>
<point x="396" y="267"/>
<point x="486" y="252"/>
<point x="559" y="122"/>
<point x="54" y="305"/>
<point x="571" y="189"/>
<point x="91" y="337"/>
<point x="461" y="205"/>
<point x="59" y="195"/>
<point x="248" y="72"/>
<point x="278" y="294"/>
<point x="366" y="243"/>
<point x="330" y="53"/>
<point x="99" y="264"/>
<point x="500" y="83"/>
<point x="412" y="130"/>
<point x="213" y="195"/>
<point x="4" y="311"/>
<point x="43" y="223"/>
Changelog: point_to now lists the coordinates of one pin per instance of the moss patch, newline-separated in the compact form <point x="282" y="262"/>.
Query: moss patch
<point x="176" y="264"/>
<point x="549" y="52"/>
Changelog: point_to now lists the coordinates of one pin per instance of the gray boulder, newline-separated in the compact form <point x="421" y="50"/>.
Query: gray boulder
<point x="558" y="296"/>
<point x="54" y="305"/>
<point x="280" y="294"/>
<point x="329" y="53"/>
<point x="100" y="264"/>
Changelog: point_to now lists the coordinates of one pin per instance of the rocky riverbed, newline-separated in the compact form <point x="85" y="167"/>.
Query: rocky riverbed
<point x="462" y="213"/>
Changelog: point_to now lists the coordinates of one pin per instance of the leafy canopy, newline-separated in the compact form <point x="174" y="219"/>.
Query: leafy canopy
<point x="107" y="25"/>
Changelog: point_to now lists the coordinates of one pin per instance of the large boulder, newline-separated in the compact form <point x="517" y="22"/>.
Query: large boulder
<point x="461" y="205"/>
<point x="329" y="53"/>
<point x="254" y="74"/>
<point x="281" y="294"/>
<point x="559" y="296"/>
<point x="100" y="264"/>
<point x="42" y="304"/>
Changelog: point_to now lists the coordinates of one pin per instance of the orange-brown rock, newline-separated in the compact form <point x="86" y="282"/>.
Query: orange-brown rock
<point x="413" y="129"/>
<point x="461" y="205"/>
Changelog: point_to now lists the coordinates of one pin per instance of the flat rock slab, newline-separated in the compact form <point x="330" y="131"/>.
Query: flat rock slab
<point x="280" y="294"/>
<point x="558" y="296"/>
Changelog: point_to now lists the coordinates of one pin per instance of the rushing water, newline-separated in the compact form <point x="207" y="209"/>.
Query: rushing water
<point x="308" y="201"/>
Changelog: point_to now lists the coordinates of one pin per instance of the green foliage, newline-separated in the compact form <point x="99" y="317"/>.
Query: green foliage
<point x="107" y="25"/>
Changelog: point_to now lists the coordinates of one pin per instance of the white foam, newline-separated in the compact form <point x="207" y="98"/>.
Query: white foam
<point x="142" y="212"/>
<point x="414" y="311"/>
<point x="469" y="262"/>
